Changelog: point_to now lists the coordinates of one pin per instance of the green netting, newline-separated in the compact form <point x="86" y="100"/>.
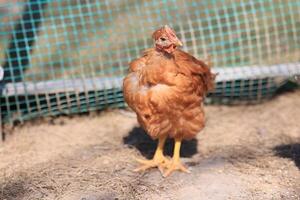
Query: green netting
<point x="69" y="56"/>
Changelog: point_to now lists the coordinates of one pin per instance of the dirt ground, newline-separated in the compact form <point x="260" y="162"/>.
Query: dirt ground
<point x="245" y="152"/>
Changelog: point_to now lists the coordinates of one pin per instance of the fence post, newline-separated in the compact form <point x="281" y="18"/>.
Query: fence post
<point x="1" y="89"/>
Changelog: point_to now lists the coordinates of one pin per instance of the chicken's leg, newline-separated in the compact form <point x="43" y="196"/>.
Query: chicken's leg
<point x="175" y="164"/>
<point x="159" y="160"/>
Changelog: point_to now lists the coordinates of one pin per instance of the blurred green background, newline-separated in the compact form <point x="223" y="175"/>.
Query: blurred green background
<point x="80" y="41"/>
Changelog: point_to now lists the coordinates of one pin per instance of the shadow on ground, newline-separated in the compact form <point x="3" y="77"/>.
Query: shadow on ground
<point x="139" y="139"/>
<point x="291" y="151"/>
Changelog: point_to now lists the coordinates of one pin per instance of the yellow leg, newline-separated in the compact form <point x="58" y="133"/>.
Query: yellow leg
<point x="175" y="164"/>
<point x="159" y="160"/>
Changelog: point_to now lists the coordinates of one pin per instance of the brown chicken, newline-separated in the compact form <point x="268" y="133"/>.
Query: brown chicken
<point x="166" y="89"/>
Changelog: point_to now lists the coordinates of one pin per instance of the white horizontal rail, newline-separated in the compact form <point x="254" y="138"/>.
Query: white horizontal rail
<point x="100" y="83"/>
<point x="257" y="71"/>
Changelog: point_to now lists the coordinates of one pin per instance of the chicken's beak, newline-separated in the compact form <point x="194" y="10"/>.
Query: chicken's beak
<point x="178" y="43"/>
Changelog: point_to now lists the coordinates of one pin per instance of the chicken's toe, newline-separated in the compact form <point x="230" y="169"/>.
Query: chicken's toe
<point x="147" y="164"/>
<point x="174" y="166"/>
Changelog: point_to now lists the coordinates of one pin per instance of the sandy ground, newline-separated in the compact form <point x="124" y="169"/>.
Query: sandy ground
<point x="245" y="152"/>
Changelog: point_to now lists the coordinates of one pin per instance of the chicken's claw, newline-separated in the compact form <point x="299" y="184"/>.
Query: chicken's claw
<point x="174" y="166"/>
<point x="160" y="163"/>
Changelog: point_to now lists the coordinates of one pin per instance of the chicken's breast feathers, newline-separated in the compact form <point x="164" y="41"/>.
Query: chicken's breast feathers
<point x="167" y="92"/>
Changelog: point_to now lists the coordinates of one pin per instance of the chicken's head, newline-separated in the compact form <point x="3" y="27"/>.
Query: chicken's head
<point x="166" y="40"/>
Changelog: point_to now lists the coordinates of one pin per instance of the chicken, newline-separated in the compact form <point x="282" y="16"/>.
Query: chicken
<point x="166" y="88"/>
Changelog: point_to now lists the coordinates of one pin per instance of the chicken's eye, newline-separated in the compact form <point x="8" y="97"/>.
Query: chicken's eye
<point x="163" y="39"/>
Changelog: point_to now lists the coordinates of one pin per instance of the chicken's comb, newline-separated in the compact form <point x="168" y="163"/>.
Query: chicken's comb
<point x="166" y="29"/>
<point x="169" y="31"/>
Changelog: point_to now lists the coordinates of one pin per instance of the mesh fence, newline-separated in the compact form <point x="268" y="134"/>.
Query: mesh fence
<point x="69" y="56"/>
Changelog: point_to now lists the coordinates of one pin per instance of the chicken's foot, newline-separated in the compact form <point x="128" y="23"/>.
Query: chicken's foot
<point x="175" y="163"/>
<point x="159" y="160"/>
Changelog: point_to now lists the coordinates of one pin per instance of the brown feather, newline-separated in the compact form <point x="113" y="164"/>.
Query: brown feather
<point x="167" y="91"/>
